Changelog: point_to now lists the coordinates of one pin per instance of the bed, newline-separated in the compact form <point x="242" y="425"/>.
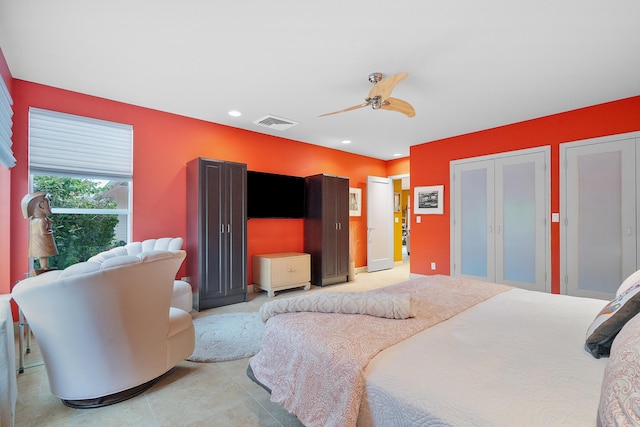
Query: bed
<point x="448" y="351"/>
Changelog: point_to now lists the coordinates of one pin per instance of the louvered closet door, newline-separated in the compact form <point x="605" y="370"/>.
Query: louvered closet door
<point x="499" y="227"/>
<point x="599" y="232"/>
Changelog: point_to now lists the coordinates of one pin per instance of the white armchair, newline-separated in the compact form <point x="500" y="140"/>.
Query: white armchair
<point x="106" y="330"/>
<point x="182" y="296"/>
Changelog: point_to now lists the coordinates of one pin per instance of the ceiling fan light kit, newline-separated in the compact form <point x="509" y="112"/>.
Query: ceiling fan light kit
<point x="380" y="96"/>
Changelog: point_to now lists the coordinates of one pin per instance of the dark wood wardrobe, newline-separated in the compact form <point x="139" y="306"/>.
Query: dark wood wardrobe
<point x="326" y="228"/>
<point x="216" y="232"/>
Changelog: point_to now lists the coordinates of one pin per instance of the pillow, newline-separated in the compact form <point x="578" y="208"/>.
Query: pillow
<point x="610" y="320"/>
<point x="386" y="305"/>
<point x="620" y="391"/>
<point x="628" y="282"/>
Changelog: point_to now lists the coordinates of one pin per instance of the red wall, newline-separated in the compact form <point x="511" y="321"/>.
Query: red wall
<point x="163" y="144"/>
<point x="430" y="166"/>
<point x="5" y="198"/>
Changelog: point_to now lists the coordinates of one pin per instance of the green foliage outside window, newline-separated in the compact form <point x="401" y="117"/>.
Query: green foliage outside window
<point x="78" y="236"/>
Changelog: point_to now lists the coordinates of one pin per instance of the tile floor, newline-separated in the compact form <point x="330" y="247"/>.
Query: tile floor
<point x="192" y="394"/>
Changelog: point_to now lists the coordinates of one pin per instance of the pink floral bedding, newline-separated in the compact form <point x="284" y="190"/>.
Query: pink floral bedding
<point x="313" y="362"/>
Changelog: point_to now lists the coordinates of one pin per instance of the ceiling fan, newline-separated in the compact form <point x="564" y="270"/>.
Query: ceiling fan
<point x="379" y="96"/>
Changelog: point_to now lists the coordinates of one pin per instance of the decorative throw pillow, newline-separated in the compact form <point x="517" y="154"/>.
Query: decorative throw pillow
<point x="628" y="282"/>
<point x="610" y="320"/>
<point x="620" y="391"/>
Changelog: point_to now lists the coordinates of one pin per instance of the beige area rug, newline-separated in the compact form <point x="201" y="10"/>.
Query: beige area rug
<point x="228" y="336"/>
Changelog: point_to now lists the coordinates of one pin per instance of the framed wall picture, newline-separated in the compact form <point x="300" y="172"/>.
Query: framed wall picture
<point x="428" y="200"/>
<point x="396" y="202"/>
<point x="355" y="201"/>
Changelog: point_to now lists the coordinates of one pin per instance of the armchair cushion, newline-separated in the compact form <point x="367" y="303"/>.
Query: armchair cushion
<point x="72" y="270"/>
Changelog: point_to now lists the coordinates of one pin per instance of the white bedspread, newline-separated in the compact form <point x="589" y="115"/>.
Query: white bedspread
<point x="517" y="359"/>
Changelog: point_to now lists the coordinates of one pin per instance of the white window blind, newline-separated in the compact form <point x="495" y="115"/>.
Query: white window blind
<point x="67" y="144"/>
<point x="6" y="122"/>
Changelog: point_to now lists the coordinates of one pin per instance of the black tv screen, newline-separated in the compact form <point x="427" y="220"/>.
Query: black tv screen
<point x="274" y="196"/>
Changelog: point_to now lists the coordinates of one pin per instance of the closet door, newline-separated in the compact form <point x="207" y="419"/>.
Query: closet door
<point x="473" y="241"/>
<point x="599" y="227"/>
<point x="342" y="218"/>
<point x="499" y="227"/>
<point x="521" y="221"/>
<point x="236" y="236"/>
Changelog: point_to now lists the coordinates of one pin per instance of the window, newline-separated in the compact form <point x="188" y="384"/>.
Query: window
<point x="85" y="165"/>
<point x="6" y="122"/>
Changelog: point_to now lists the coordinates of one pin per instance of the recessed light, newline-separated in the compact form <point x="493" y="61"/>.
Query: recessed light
<point x="397" y="155"/>
<point x="235" y="113"/>
<point x="346" y="141"/>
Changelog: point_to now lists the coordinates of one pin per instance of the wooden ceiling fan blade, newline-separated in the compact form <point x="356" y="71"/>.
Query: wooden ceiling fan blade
<point x="395" y="104"/>
<point x="355" y="107"/>
<point x="385" y="86"/>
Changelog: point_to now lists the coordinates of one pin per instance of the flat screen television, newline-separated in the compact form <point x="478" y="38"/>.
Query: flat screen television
<point x="272" y="195"/>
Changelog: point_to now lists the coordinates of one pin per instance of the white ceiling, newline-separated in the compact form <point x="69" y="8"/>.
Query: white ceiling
<point x="472" y="65"/>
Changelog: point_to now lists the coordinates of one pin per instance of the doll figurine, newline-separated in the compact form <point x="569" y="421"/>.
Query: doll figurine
<point x="36" y="207"/>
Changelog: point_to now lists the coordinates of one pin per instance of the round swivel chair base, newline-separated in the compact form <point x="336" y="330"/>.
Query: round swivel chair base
<point x="110" y="399"/>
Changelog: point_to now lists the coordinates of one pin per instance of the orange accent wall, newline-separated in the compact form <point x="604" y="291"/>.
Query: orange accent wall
<point x="430" y="166"/>
<point x="163" y="144"/>
<point x="5" y="199"/>
<point x="398" y="166"/>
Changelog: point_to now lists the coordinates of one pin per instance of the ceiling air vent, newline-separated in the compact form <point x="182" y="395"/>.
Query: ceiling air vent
<point x="273" y="122"/>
